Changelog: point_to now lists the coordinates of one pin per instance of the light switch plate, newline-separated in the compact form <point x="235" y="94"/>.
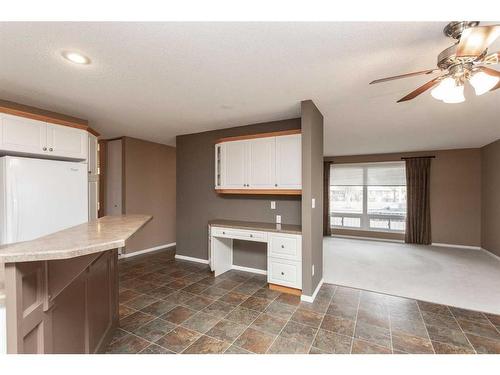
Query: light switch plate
<point x="273" y="205"/>
<point x="314" y="203"/>
<point x="278" y="219"/>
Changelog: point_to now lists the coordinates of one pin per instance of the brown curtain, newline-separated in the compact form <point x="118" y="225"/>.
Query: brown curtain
<point x="327" y="230"/>
<point x="418" y="220"/>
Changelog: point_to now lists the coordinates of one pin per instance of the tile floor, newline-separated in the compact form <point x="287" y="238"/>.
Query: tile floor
<point x="168" y="306"/>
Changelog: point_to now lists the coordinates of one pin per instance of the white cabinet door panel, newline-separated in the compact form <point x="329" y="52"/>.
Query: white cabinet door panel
<point x="93" y="199"/>
<point x="67" y="142"/>
<point x="20" y="134"/>
<point x="289" y="161"/>
<point x="93" y="155"/>
<point x="235" y="160"/>
<point x="262" y="163"/>
<point x="284" y="272"/>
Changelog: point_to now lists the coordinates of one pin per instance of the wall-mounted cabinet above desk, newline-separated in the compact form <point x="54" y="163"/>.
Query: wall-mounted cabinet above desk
<point x="269" y="163"/>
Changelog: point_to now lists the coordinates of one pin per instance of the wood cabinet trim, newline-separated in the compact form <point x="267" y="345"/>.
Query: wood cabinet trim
<point x="38" y="114"/>
<point x="260" y="191"/>
<point x="260" y="135"/>
<point x="285" y="289"/>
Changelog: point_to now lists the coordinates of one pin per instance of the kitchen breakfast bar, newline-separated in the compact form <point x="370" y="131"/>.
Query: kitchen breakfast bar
<point x="60" y="291"/>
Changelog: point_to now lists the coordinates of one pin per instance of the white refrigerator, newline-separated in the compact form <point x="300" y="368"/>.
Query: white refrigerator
<point x="39" y="197"/>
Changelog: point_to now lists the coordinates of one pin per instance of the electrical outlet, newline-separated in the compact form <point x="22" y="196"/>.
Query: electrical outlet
<point x="313" y="270"/>
<point x="273" y="205"/>
<point x="278" y="219"/>
<point x="314" y="203"/>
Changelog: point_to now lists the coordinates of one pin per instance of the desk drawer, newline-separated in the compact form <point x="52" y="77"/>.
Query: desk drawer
<point x="285" y="246"/>
<point x="240" y="234"/>
<point x="284" y="272"/>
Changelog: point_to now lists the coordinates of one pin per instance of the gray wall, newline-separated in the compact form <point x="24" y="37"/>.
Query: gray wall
<point x="312" y="187"/>
<point x="490" y="197"/>
<point x="197" y="202"/>
<point x="149" y="188"/>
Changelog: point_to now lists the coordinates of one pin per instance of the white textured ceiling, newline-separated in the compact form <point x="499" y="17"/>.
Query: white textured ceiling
<point x="158" y="80"/>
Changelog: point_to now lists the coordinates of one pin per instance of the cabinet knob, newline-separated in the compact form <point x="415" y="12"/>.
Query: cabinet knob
<point x="251" y="235"/>
<point x="275" y="185"/>
<point x="44" y="149"/>
<point x="282" y="246"/>
<point x="282" y="273"/>
<point x="51" y="149"/>
<point x="223" y="232"/>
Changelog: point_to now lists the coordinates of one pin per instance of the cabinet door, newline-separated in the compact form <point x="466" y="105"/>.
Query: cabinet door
<point x="289" y="161"/>
<point x="261" y="163"/>
<point x="68" y="142"/>
<point x="93" y="199"/>
<point x="19" y="134"/>
<point x="234" y="163"/>
<point x="93" y="155"/>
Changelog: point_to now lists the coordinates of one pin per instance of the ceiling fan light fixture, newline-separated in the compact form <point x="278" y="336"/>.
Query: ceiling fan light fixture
<point x="456" y="95"/>
<point x="444" y="87"/>
<point x="483" y="82"/>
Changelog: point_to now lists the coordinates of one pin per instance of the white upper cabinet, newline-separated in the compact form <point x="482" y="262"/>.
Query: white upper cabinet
<point x="234" y="156"/>
<point x="263" y="163"/>
<point x="93" y="155"/>
<point x="289" y="161"/>
<point x="21" y="135"/>
<point x="67" y="142"/>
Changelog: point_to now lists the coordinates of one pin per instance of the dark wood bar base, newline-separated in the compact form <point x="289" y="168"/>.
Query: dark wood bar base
<point x="62" y="306"/>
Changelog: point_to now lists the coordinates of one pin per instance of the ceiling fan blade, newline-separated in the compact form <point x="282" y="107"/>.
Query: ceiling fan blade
<point x="476" y="39"/>
<point x="491" y="72"/>
<point x="428" y="71"/>
<point x="421" y="89"/>
<point x="492" y="58"/>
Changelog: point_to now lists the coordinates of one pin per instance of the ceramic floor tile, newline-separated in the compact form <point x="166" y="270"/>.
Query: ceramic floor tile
<point x="201" y="322"/>
<point x="269" y="323"/>
<point x="365" y="347"/>
<point x="286" y="346"/>
<point x="242" y="316"/>
<point x="331" y="342"/>
<point x="207" y="345"/>
<point x="153" y="330"/>
<point x="178" y="339"/>
<point x="226" y="330"/>
<point x="128" y="344"/>
<point x="281" y="310"/>
<point x="483" y="345"/>
<point x="256" y="303"/>
<point x="307" y="317"/>
<point x="376" y="335"/>
<point x="255" y="341"/>
<point x="338" y="325"/>
<point x="155" y="349"/>
<point x="135" y="320"/>
<point x="411" y="344"/>
<point x="178" y="314"/>
<point x="299" y="332"/>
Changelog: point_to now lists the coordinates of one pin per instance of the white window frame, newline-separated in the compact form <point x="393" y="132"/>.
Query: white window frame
<point x="365" y="217"/>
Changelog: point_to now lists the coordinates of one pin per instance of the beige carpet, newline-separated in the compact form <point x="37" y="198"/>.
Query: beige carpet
<point x="463" y="278"/>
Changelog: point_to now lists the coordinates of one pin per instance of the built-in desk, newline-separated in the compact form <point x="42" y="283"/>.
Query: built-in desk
<point x="284" y="248"/>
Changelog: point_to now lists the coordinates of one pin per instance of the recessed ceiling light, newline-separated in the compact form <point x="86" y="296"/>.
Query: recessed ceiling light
<point x="76" y="57"/>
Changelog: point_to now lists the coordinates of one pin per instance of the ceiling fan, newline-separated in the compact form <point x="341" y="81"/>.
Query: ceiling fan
<point x="463" y="62"/>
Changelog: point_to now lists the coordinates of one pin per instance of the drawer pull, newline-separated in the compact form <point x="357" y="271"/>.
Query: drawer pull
<point x="251" y="235"/>
<point x="223" y="232"/>
<point x="282" y="246"/>
<point x="282" y="274"/>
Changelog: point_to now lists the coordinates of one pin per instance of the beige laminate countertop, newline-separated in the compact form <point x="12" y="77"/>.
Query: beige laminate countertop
<point x="105" y="233"/>
<point x="250" y="225"/>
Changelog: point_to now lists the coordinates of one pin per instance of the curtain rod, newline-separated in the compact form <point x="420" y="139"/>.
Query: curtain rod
<point x="418" y="157"/>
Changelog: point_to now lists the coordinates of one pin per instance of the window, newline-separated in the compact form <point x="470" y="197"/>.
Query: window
<point x="368" y="196"/>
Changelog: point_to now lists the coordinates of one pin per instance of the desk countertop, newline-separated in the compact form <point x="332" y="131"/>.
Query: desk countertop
<point x="249" y="225"/>
<point x="106" y="233"/>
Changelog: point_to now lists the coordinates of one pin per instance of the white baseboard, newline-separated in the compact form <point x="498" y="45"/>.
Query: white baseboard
<point x="145" y="251"/>
<point x="191" y="259"/>
<point x="248" y="269"/>
<point x="456" y="246"/>
<point x="491" y="254"/>
<point x="305" y="298"/>
<point x="366" y="238"/>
